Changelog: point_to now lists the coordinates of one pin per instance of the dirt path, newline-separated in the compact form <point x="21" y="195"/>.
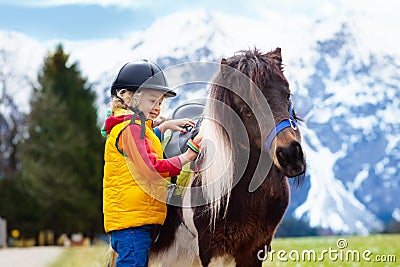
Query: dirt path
<point x="29" y="257"/>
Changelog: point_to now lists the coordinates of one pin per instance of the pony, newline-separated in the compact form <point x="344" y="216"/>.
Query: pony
<point x="239" y="192"/>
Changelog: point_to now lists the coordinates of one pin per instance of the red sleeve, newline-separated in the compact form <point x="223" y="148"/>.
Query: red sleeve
<point x="134" y="146"/>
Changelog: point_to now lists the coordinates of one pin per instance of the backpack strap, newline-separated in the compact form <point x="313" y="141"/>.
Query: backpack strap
<point x="142" y="118"/>
<point x="139" y="113"/>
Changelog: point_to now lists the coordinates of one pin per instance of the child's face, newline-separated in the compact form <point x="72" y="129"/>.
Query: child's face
<point x="150" y="103"/>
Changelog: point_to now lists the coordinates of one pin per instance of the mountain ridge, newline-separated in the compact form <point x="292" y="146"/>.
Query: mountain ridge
<point x="350" y="131"/>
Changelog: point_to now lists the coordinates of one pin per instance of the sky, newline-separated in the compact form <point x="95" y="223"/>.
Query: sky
<point x="100" y="19"/>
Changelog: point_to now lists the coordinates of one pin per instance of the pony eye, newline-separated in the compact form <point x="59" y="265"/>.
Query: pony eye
<point x="246" y="111"/>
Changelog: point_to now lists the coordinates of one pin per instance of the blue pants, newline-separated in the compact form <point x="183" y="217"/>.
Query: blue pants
<point x="132" y="245"/>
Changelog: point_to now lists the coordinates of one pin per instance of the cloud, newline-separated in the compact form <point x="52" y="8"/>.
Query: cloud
<point x="54" y="3"/>
<point x="313" y="8"/>
<point x="382" y="15"/>
<point x="380" y="10"/>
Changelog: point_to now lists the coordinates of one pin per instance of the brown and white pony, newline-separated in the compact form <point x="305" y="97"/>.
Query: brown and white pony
<point x="251" y="144"/>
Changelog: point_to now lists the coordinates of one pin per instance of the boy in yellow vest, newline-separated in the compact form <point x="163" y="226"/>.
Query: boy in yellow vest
<point x="134" y="188"/>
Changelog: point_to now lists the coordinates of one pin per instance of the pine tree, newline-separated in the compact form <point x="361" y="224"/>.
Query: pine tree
<point x="62" y="156"/>
<point x="18" y="208"/>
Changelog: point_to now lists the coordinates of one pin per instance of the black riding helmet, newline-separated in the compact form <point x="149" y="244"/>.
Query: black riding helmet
<point x="141" y="74"/>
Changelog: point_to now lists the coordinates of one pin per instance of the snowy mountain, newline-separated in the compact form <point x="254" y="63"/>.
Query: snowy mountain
<point x="354" y="135"/>
<point x="345" y="88"/>
<point x="20" y="61"/>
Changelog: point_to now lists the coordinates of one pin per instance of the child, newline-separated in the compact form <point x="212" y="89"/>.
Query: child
<point x="134" y="191"/>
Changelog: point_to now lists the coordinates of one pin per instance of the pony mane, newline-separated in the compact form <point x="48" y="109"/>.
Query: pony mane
<point x="218" y="127"/>
<point x="217" y="174"/>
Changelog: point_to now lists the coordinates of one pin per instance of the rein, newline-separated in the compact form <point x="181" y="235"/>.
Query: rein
<point x="291" y="122"/>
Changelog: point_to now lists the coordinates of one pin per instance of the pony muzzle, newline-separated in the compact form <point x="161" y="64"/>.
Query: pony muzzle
<point x="285" y="149"/>
<point x="290" y="159"/>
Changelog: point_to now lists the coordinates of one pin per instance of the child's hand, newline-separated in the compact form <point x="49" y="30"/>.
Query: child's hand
<point x="176" y="125"/>
<point x="190" y="155"/>
<point x="198" y="138"/>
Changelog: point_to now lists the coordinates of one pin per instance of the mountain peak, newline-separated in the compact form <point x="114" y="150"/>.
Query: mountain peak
<point x="346" y="89"/>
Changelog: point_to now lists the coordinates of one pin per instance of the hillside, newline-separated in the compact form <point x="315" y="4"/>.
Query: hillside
<point x="345" y="88"/>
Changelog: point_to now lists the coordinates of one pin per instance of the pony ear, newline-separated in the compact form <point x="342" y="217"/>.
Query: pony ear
<point x="224" y="64"/>
<point x="276" y="54"/>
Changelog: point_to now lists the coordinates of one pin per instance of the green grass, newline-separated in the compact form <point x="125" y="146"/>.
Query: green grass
<point x="387" y="247"/>
<point x="382" y="245"/>
<point x="93" y="256"/>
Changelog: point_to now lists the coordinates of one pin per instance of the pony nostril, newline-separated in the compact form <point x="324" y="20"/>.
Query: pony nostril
<point x="298" y="148"/>
<point x="291" y="158"/>
<point x="295" y="148"/>
<point x="299" y="151"/>
<point x="281" y="157"/>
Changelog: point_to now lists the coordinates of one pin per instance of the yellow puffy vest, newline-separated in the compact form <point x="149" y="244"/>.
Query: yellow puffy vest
<point x="125" y="203"/>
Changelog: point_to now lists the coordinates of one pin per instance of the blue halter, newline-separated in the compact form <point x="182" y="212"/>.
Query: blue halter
<point x="291" y="122"/>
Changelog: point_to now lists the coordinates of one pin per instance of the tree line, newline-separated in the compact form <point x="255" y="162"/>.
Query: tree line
<point x="51" y="159"/>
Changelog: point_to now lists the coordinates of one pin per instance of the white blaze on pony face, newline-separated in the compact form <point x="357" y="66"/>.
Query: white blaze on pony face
<point x="288" y="155"/>
<point x="150" y="103"/>
<point x="281" y="140"/>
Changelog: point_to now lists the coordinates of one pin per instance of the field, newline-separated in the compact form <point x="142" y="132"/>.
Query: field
<point x="374" y="250"/>
<point x="93" y="256"/>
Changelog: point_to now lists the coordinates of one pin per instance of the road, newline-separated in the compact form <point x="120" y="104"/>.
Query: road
<point x="29" y="257"/>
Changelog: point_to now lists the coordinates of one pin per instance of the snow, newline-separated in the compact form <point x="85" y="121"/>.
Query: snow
<point x="396" y="214"/>
<point x="99" y="56"/>
<point x="329" y="203"/>
<point x="381" y="165"/>
<point x="321" y="116"/>
<point x="361" y="176"/>
<point x="366" y="123"/>
<point x="388" y="116"/>
<point x="22" y="57"/>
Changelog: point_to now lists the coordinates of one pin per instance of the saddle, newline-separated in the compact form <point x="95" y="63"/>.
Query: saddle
<point x="175" y="143"/>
